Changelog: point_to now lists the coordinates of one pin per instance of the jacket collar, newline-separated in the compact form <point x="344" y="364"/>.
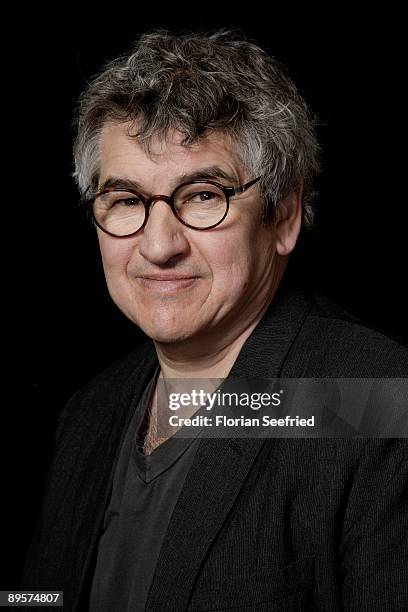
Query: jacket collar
<point x="221" y="466"/>
<point x="264" y="352"/>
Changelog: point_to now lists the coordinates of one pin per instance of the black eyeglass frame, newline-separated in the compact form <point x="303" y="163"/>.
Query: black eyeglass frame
<point x="229" y="192"/>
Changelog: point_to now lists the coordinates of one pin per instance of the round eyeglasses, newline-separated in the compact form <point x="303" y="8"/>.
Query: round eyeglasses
<point x="198" y="204"/>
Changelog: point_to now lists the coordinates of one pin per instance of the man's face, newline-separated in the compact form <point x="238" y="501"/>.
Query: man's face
<point x="229" y="268"/>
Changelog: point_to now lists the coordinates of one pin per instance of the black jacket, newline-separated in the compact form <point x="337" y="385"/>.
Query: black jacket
<point x="275" y="524"/>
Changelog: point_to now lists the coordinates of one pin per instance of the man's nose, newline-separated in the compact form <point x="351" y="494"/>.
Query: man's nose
<point x="163" y="236"/>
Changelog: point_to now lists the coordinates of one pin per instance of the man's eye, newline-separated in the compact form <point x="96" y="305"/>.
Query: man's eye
<point x="127" y="202"/>
<point x="203" y="196"/>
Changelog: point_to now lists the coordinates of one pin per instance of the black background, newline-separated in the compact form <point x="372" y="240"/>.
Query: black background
<point x="63" y="327"/>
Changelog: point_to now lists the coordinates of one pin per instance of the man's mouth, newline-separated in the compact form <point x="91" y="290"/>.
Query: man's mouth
<point x="166" y="282"/>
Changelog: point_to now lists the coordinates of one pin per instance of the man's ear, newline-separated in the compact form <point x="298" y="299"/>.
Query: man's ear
<point x="289" y="221"/>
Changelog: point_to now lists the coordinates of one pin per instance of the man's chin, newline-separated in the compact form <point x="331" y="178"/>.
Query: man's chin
<point x="167" y="336"/>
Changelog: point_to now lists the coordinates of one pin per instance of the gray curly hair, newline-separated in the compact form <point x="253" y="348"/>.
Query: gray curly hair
<point x="197" y="82"/>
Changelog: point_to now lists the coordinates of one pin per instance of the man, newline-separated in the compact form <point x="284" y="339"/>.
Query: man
<point x="196" y="157"/>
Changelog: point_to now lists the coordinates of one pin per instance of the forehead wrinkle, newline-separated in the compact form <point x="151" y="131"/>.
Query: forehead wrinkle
<point x="229" y="175"/>
<point x="214" y="173"/>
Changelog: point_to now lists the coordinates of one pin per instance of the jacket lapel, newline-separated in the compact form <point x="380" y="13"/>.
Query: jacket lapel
<point x="105" y="433"/>
<point x="221" y="466"/>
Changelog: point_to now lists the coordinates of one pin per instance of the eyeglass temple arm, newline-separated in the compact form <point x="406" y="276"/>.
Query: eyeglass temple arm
<point x="242" y="188"/>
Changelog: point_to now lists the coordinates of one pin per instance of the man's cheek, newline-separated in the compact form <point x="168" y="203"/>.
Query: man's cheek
<point x="117" y="282"/>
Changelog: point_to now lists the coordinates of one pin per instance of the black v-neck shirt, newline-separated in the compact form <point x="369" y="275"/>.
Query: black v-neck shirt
<point x="144" y="493"/>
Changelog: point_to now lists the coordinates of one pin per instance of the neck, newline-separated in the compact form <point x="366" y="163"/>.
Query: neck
<point x="214" y="364"/>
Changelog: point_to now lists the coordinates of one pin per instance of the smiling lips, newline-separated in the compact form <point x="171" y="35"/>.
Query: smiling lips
<point x="166" y="282"/>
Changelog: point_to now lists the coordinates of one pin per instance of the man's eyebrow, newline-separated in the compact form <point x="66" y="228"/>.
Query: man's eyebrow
<point x="118" y="182"/>
<point x="211" y="173"/>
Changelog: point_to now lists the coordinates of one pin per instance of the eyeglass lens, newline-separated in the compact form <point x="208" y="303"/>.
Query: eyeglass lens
<point x="200" y="205"/>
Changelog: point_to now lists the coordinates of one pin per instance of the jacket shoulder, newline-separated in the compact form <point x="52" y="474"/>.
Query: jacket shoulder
<point x="105" y="391"/>
<point x="334" y="342"/>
